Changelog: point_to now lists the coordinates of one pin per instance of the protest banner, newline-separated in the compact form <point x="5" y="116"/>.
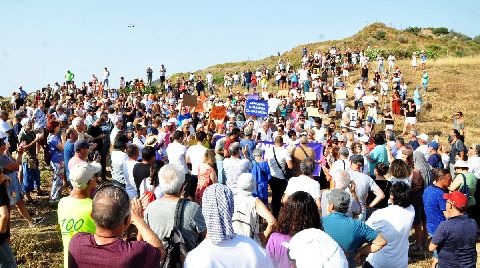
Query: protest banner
<point x="252" y="97"/>
<point x="312" y="96"/>
<point x="189" y="100"/>
<point x="313" y="112"/>
<point x="218" y="112"/>
<point x="340" y="94"/>
<point x="256" y="108"/>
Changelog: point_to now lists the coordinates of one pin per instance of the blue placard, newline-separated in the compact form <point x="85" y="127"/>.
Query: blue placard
<point x="257" y="108"/>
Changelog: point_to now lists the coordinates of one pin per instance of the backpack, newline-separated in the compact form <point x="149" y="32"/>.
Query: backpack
<point x="464" y="189"/>
<point x="176" y="250"/>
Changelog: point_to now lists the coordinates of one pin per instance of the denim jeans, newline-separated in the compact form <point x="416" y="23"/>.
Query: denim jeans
<point x="425" y="86"/>
<point x="326" y="107"/>
<point x="7" y="260"/>
<point x="31" y="178"/>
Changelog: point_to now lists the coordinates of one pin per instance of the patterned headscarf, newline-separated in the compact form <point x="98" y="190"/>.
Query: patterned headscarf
<point x="217" y="209"/>
<point x="423" y="167"/>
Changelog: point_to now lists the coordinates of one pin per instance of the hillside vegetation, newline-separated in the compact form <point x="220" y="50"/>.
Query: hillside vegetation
<point x="374" y="39"/>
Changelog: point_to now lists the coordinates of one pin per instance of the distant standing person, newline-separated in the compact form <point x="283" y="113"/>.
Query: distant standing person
<point x="106" y="75"/>
<point x="163" y="71"/>
<point x="149" y="76"/>
<point x="423" y="58"/>
<point x="414" y="61"/>
<point x="69" y="78"/>
<point x="425" y="79"/>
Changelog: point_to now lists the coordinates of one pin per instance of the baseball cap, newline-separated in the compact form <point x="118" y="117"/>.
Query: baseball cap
<point x="423" y="137"/>
<point x="314" y="248"/>
<point x="433" y="145"/>
<point x="457" y="198"/>
<point x="81" y="144"/>
<point x="81" y="173"/>
<point x="460" y="164"/>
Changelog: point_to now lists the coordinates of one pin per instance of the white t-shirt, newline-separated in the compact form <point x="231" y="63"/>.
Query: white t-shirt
<point x="130" y="186"/>
<point x="176" y="153"/>
<point x="474" y="165"/>
<point x="282" y="157"/>
<point x="209" y="78"/>
<point x="340" y="164"/>
<point x="303" y="74"/>
<point x="196" y="153"/>
<point x="226" y="254"/>
<point x="394" y="223"/>
<point x="305" y="184"/>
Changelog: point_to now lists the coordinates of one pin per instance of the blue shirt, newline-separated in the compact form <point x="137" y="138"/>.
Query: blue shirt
<point x="378" y="155"/>
<point x="251" y="146"/>
<point x="68" y="153"/>
<point x="456" y="239"/>
<point x="434" y="206"/>
<point x="55" y="153"/>
<point x="183" y="117"/>
<point x="349" y="233"/>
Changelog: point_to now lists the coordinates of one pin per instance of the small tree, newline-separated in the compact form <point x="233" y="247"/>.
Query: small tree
<point x="414" y="30"/>
<point x="380" y="35"/>
<point x="440" y="30"/>
<point x="476" y="39"/>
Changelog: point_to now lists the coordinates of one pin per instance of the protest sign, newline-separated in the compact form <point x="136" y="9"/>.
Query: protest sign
<point x="265" y="95"/>
<point x="313" y="112"/>
<point x="282" y="93"/>
<point x="368" y="99"/>
<point x="256" y="108"/>
<point x="340" y="94"/>
<point x="189" y="100"/>
<point x="218" y="112"/>
<point x="353" y="117"/>
<point x="199" y="108"/>
<point x="310" y="96"/>
<point x="273" y="104"/>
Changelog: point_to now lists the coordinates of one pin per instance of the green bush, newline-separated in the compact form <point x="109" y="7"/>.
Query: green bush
<point x="440" y="30"/>
<point x="414" y="30"/>
<point x="476" y="39"/>
<point x="402" y="39"/>
<point x="380" y="35"/>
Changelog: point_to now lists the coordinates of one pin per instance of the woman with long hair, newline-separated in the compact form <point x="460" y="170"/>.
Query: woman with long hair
<point x="299" y="213"/>
<point x="206" y="174"/>
<point x="55" y="142"/>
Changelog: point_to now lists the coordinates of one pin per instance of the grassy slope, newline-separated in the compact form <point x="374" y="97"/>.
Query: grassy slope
<point x="454" y="88"/>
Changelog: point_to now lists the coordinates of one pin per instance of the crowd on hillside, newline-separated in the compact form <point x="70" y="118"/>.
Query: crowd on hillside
<point x="143" y="180"/>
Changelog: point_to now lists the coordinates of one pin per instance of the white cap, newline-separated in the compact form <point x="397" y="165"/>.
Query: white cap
<point x="423" y="137"/>
<point x="460" y="164"/>
<point x="314" y="248"/>
<point x="81" y="173"/>
<point x="24" y="121"/>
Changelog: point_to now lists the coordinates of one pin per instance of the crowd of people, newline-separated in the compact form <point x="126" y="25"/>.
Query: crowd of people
<point x="143" y="180"/>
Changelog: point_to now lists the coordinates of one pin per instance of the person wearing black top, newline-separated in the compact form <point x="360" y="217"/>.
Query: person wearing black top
<point x="145" y="168"/>
<point x="365" y="72"/>
<point x="7" y="259"/>
<point x="95" y="130"/>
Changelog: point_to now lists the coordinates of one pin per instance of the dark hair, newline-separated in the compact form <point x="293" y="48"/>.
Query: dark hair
<point x="291" y="133"/>
<point x="111" y="206"/>
<point x="400" y="169"/>
<point x="120" y="142"/>
<point x="69" y="132"/>
<point x="400" y="140"/>
<point x="132" y="150"/>
<point x="236" y="131"/>
<point x="379" y="138"/>
<point x="299" y="213"/>
<point x="441" y="173"/>
<point x="401" y="194"/>
<point x="148" y="152"/>
<point x="381" y="169"/>
<point x="177" y="135"/>
<point x="200" y="136"/>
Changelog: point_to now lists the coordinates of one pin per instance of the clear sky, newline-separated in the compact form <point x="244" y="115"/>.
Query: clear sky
<point x="41" y="39"/>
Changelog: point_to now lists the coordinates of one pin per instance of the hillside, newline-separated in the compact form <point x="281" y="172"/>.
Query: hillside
<point x="378" y="38"/>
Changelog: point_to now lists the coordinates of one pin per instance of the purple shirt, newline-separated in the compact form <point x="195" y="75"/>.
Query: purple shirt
<point x="277" y="251"/>
<point x="83" y="251"/>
